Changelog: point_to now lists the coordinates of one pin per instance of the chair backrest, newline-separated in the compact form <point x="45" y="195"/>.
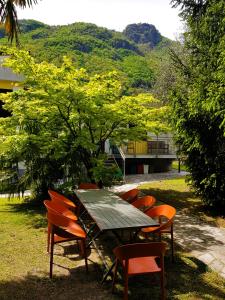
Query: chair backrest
<point x="130" y="195"/>
<point x="88" y="186"/>
<point x="61" y="209"/>
<point x="144" y="203"/>
<point x="165" y="211"/>
<point x="59" y="220"/>
<point x="126" y="252"/>
<point x="55" y="196"/>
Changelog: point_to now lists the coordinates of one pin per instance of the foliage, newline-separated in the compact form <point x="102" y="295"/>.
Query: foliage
<point x="94" y="48"/>
<point x="143" y="33"/>
<point x="138" y="72"/>
<point x="198" y="100"/>
<point x="8" y="15"/>
<point x="163" y="69"/>
<point x="175" y="165"/>
<point x="62" y="118"/>
<point x="30" y="25"/>
<point x="104" y="174"/>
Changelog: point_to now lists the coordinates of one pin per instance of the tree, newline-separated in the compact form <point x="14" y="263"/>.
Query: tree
<point x="138" y="72"/>
<point x="63" y="116"/>
<point x="198" y="101"/>
<point x="8" y="15"/>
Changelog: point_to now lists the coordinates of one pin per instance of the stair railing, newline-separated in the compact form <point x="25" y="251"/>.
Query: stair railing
<point x="121" y="155"/>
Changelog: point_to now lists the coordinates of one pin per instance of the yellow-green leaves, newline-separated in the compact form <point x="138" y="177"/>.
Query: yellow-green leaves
<point x="63" y="110"/>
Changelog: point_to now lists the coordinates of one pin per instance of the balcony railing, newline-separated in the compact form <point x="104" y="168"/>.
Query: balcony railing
<point x="149" y="147"/>
<point x="158" y="147"/>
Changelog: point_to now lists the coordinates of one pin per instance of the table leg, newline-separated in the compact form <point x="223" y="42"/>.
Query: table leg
<point x="93" y="239"/>
<point x="108" y="272"/>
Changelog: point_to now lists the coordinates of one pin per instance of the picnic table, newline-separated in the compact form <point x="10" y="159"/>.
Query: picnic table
<point x="111" y="213"/>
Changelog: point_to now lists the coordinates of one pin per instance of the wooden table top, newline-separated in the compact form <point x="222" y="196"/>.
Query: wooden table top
<point x="110" y="212"/>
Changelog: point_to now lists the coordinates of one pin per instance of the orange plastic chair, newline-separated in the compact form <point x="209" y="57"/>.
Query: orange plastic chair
<point x="144" y="203"/>
<point x="55" y="196"/>
<point x="64" y="229"/>
<point x="88" y="186"/>
<point x="140" y="258"/>
<point x="130" y="196"/>
<point x="164" y="214"/>
<point x="59" y="208"/>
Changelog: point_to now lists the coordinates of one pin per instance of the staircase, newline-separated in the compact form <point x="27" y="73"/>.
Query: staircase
<point x="119" y="158"/>
<point x="110" y="162"/>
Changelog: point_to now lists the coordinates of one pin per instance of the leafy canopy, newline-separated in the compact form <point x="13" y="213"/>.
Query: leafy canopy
<point x="198" y="100"/>
<point x="63" y="112"/>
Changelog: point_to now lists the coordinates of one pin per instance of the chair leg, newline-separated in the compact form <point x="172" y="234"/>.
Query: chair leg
<point x="114" y="276"/>
<point x="84" y="250"/>
<point x="51" y="254"/>
<point x="172" y="243"/>
<point x="125" y="287"/>
<point x="162" y="285"/>
<point x="80" y="248"/>
<point x="48" y="237"/>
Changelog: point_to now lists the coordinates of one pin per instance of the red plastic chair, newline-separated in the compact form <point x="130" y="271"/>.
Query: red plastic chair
<point x="88" y="186"/>
<point x="144" y="203"/>
<point x="164" y="214"/>
<point x="58" y="208"/>
<point x="55" y="196"/>
<point x="140" y="258"/>
<point x="64" y="229"/>
<point x="130" y="196"/>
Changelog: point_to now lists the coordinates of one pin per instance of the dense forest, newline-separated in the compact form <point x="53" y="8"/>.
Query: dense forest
<point x="137" y="53"/>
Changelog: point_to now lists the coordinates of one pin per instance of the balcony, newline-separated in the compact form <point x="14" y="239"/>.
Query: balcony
<point x="149" y="149"/>
<point x="6" y="74"/>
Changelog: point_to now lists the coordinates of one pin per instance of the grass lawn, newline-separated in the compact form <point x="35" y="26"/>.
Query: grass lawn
<point x="25" y="265"/>
<point x="177" y="193"/>
<point x="175" y="165"/>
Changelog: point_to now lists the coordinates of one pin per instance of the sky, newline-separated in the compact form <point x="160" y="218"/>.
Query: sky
<point x="112" y="14"/>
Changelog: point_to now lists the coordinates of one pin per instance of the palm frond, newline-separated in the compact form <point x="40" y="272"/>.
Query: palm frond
<point x="24" y="3"/>
<point x="8" y="16"/>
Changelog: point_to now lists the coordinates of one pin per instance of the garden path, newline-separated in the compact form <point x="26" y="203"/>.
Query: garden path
<point x="204" y="241"/>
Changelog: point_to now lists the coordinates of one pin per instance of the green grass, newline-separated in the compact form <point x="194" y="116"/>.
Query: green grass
<point x="177" y="193"/>
<point x="175" y="165"/>
<point x="25" y="262"/>
<point x="25" y="265"/>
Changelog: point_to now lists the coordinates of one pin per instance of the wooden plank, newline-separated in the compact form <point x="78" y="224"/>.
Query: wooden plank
<point x="110" y="212"/>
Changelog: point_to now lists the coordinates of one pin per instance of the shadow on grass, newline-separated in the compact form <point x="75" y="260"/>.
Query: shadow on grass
<point x="191" y="276"/>
<point x="182" y="200"/>
<point x="188" y="203"/>
<point x="76" y="285"/>
<point x="190" y="231"/>
<point x="186" y="278"/>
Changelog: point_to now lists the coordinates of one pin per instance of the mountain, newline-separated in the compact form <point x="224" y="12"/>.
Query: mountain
<point x="143" y="33"/>
<point x="97" y="49"/>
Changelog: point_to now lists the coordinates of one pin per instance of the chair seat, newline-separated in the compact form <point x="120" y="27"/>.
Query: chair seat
<point x="142" y="265"/>
<point x="68" y="234"/>
<point x="60" y="239"/>
<point x="149" y="229"/>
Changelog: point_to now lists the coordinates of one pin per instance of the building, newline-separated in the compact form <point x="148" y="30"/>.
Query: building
<point x="155" y="154"/>
<point x="9" y="82"/>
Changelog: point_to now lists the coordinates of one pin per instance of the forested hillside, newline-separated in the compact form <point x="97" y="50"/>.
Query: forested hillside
<point x="136" y="53"/>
